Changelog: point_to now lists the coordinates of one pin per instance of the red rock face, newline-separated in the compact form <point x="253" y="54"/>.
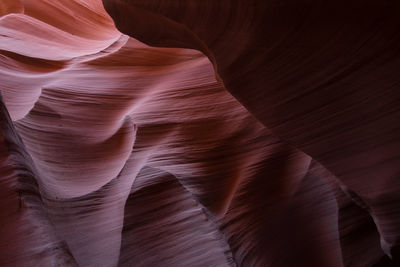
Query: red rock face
<point x="199" y="133"/>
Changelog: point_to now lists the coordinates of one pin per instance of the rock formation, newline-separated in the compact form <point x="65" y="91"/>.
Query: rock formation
<point x="200" y="133"/>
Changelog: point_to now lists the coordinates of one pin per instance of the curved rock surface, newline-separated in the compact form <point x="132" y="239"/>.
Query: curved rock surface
<point x="199" y="133"/>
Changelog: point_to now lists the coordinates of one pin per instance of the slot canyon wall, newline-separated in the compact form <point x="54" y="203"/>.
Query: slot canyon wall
<point x="200" y="133"/>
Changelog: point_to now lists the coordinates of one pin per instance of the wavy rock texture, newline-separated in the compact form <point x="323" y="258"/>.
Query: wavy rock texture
<point x="199" y="133"/>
